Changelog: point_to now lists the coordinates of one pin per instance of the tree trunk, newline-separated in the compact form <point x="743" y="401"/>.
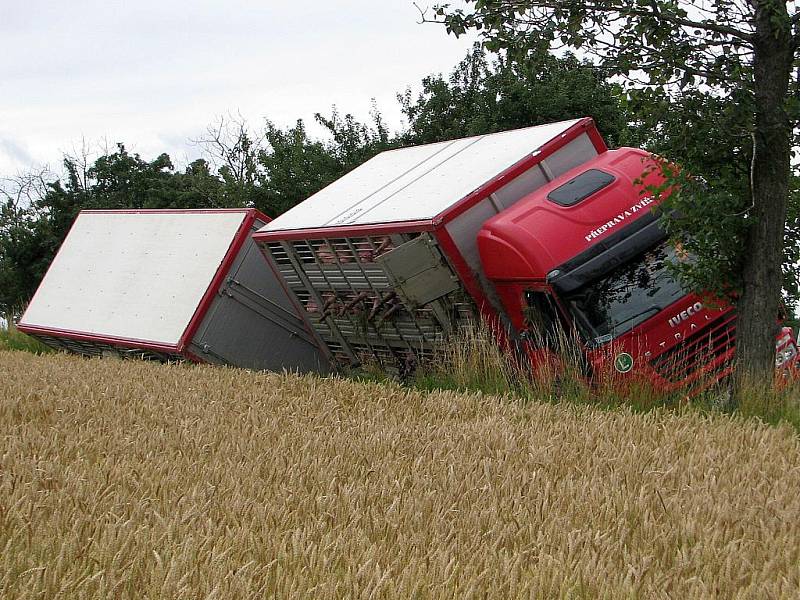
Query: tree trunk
<point x="759" y="303"/>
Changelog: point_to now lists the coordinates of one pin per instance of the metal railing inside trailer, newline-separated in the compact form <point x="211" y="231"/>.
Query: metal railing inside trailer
<point x="386" y="299"/>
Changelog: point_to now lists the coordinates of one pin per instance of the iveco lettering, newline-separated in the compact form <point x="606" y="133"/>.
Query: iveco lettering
<point x="685" y="314"/>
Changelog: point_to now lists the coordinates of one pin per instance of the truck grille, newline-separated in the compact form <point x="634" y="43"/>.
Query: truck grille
<point x="700" y="352"/>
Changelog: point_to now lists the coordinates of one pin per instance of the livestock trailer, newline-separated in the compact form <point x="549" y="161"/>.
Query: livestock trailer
<point x="384" y="261"/>
<point x="170" y="285"/>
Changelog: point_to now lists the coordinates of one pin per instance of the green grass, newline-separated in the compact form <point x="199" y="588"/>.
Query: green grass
<point x="773" y="406"/>
<point x="13" y="339"/>
<point x="475" y="362"/>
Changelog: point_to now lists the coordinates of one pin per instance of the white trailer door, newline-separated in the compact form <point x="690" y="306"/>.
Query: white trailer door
<point x="138" y="276"/>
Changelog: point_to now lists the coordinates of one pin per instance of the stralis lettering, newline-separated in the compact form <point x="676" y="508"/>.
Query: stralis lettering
<point x="595" y="233"/>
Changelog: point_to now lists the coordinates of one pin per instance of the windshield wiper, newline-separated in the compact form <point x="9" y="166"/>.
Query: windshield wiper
<point x="654" y="308"/>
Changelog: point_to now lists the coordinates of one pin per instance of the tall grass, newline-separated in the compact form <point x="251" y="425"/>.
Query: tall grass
<point x="476" y="361"/>
<point x="472" y="360"/>
<point x="778" y="404"/>
<point x="136" y="480"/>
<point x="13" y="339"/>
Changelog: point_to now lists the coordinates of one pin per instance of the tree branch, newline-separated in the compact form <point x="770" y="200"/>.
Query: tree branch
<point x="623" y="10"/>
<point x="702" y="25"/>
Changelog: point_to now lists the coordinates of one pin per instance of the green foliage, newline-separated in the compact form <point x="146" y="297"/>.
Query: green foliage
<point x="124" y="180"/>
<point x="660" y="42"/>
<point x="711" y="137"/>
<point x="354" y="143"/>
<point x="13" y="339"/>
<point x="26" y="243"/>
<point x="481" y="97"/>
<point x="25" y="253"/>
<point x="295" y="166"/>
<point x="708" y="134"/>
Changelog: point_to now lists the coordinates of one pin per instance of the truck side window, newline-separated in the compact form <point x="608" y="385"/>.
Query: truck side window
<point x="542" y="321"/>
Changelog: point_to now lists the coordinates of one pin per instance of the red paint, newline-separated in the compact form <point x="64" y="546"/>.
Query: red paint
<point x="656" y="337"/>
<point x="521" y="245"/>
<point x="531" y="238"/>
<point x="250" y="215"/>
<point x="222" y="272"/>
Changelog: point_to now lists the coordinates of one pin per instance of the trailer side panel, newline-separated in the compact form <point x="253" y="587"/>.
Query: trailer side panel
<point x="252" y="322"/>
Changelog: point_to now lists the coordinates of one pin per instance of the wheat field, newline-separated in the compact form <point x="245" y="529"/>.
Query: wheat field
<point x="123" y="479"/>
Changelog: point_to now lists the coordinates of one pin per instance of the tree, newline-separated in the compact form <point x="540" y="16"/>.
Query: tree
<point x="482" y="96"/>
<point x="123" y="180"/>
<point x="295" y="166"/>
<point x="233" y="149"/>
<point x="712" y="136"/>
<point x="353" y="142"/>
<point x="22" y="259"/>
<point x="725" y="47"/>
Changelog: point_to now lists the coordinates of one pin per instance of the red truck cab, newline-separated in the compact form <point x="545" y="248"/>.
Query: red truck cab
<point x="587" y="254"/>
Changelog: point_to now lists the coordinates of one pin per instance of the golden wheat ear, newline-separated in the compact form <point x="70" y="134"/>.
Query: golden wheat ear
<point x="127" y="479"/>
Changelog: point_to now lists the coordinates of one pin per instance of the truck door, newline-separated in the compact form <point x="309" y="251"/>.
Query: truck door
<point x="543" y="328"/>
<point x="548" y="336"/>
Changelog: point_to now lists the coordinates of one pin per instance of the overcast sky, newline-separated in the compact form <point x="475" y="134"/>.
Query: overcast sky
<point x="155" y="73"/>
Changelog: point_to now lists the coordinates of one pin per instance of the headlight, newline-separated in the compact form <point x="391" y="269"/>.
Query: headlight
<point x="786" y="355"/>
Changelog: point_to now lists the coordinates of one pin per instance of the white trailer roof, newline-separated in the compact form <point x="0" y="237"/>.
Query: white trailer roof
<point x="133" y="275"/>
<point x="417" y="183"/>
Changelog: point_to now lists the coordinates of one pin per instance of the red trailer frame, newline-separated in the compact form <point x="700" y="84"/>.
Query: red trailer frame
<point x="437" y="227"/>
<point x="188" y="346"/>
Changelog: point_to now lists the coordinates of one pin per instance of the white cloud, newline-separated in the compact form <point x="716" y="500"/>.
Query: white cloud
<point x="15" y="153"/>
<point x="153" y="72"/>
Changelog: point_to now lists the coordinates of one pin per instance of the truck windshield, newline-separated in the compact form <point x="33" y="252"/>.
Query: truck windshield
<point x="619" y="301"/>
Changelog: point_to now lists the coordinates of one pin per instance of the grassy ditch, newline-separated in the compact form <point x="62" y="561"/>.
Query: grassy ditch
<point x="13" y="339"/>
<point x="474" y="361"/>
<point x="126" y="479"/>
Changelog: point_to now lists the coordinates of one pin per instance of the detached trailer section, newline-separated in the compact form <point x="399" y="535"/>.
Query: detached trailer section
<point x="384" y="261"/>
<point x="170" y="285"/>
